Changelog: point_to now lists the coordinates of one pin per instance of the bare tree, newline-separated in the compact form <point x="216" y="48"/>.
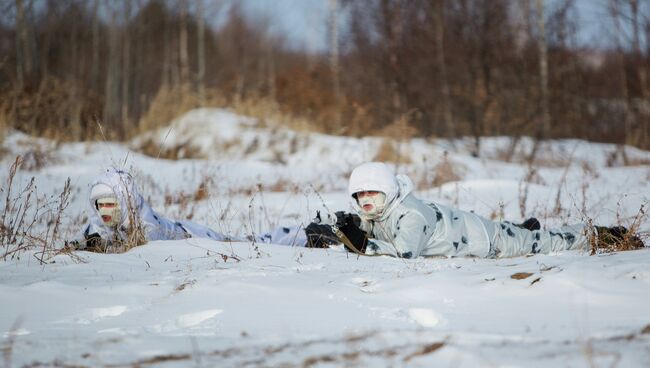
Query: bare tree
<point x="126" y="67"/>
<point x="111" y="93"/>
<point x="616" y="14"/>
<point x="200" y="50"/>
<point x="183" y="47"/>
<point x="544" y="127"/>
<point x="334" y="60"/>
<point x="642" y="136"/>
<point x="439" y="15"/>
<point x="393" y="28"/>
<point x="94" y="74"/>
<point x="23" y="57"/>
<point x="543" y="71"/>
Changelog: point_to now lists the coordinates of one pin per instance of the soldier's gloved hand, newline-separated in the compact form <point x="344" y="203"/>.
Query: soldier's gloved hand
<point x="71" y="245"/>
<point x="347" y="223"/>
<point x="93" y="242"/>
<point x="324" y="220"/>
<point x="343" y="219"/>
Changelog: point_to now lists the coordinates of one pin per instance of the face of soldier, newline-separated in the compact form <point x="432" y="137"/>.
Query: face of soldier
<point x="371" y="202"/>
<point x="109" y="211"/>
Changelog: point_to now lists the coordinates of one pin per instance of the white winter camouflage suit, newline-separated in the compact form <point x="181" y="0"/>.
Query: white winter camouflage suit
<point x="157" y="227"/>
<point x="409" y="227"/>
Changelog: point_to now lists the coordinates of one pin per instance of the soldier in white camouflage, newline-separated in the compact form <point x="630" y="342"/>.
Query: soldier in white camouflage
<point x="393" y="221"/>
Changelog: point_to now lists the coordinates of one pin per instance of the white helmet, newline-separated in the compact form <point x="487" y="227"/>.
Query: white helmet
<point x="373" y="176"/>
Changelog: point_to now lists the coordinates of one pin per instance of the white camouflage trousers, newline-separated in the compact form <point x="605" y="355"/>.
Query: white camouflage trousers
<point x="512" y="241"/>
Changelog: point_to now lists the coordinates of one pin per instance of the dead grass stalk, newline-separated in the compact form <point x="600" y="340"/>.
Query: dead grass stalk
<point x="30" y="222"/>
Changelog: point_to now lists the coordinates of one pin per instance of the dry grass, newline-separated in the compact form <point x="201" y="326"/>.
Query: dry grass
<point x="396" y="135"/>
<point x="389" y="151"/>
<point x="268" y="113"/>
<point x="37" y="158"/>
<point x="619" y="157"/>
<point x="425" y="350"/>
<point x="30" y="222"/>
<point x="182" y="151"/>
<point x="603" y="241"/>
<point x="170" y="103"/>
<point x="203" y="192"/>
<point x="185" y="203"/>
<point x="55" y="108"/>
<point x="445" y="171"/>
<point x="520" y="275"/>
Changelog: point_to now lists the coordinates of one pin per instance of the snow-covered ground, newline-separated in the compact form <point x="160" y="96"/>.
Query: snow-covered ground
<point x="203" y="303"/>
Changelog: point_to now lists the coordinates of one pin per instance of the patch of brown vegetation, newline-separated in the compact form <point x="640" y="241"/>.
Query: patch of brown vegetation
<point x="282" y="186"/>
<point x="158" y="359"/>
<point x="520" y="275"/>
<point x="169" y="103"/>
<point x="426" y="349"/>
<point x="180" y="151"/>
<point x="23" y="209"/>
<point x="646" y="330"/>
<point x="618" y="238"/>
<point x="202" y="191"/>
<point x="184" y="285"/>
<point x="389" y="152"/>
<point x="445" y="171"/>
<point x="619" y="157"/>
<point x="54" y="108"/>
<point x="36" y="159"/>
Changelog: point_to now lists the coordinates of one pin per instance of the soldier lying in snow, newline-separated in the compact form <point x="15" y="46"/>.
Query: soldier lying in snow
<point x="121" y="218"/>
<point x="392" y="221"/>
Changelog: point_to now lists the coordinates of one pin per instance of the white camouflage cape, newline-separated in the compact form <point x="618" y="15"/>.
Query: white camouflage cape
<point x="156" y="226"/>
<point x="410" y="227"/>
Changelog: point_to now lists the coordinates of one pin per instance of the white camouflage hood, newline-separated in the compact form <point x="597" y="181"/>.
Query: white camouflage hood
<point x="377" y="176"/>
<point x="126" y="192"/>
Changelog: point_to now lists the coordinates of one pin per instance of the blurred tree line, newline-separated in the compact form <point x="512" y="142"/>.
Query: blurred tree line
<point x="445" y="68"/>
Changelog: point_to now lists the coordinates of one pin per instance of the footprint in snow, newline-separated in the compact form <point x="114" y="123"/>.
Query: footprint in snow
<point x="367" y="286"/>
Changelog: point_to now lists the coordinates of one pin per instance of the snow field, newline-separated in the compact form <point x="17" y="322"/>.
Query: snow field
<point x="198" y="302"/>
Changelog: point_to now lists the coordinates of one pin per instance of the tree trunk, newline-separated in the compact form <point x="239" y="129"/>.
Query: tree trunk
<point x="625" y="93"/>
<point x="200" y="52"/>
<point x="615" y="12"/>
<point x="640" y="136"/>
<point x="21" y="46"/>
<point x="182" y="45"/>
<point x="395" y="63"/>
<point x="111" y="94"/>
<point x="543" y="72"/>
<point x="440" y="60"/>
<point x="545" y="123"/>
<point x="126" y="67"/>
<point x="94" y="73"/>
<point x="46" y="44"/>
<point x="334" y="62"/>
<point x="271" y="75"/>
<point x="167" y="55"/>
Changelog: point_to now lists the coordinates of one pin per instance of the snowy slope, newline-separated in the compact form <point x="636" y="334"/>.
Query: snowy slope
<point x="203" y="303"/>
